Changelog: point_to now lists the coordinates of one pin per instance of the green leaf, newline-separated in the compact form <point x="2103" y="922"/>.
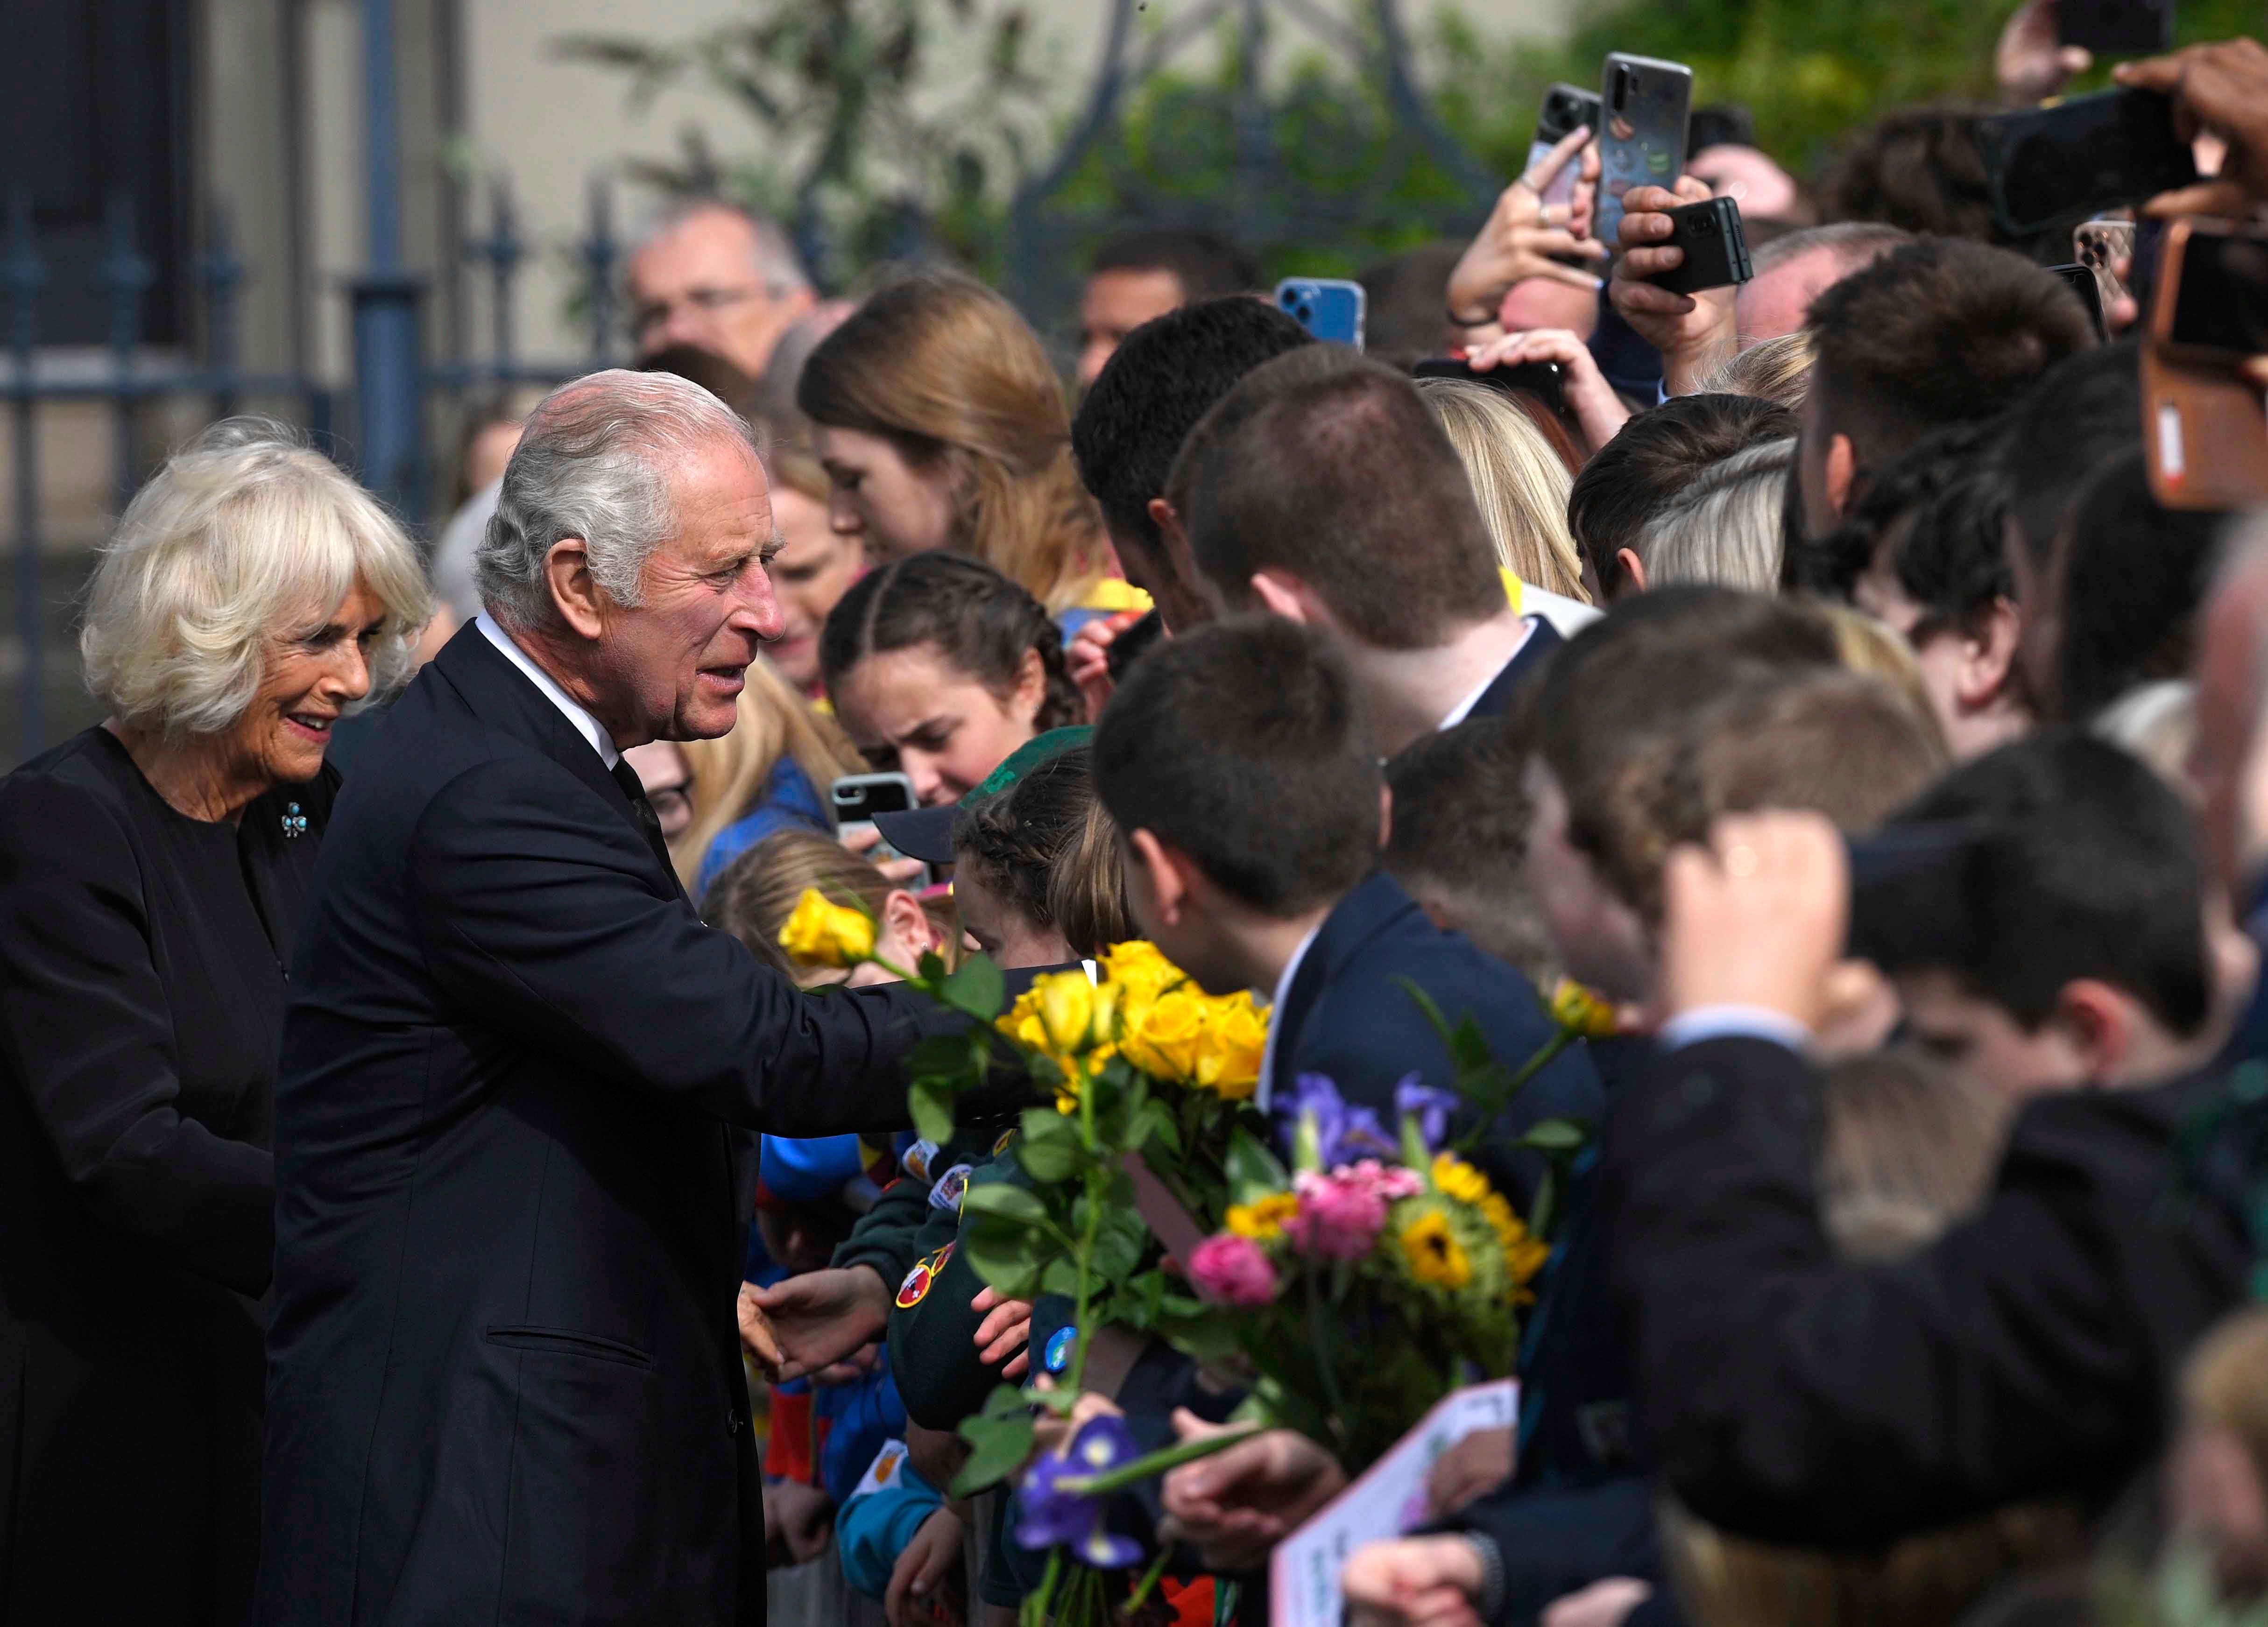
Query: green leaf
<point x="932" y="1106"/>
<point x="1060" y="1276"/>
<point x="1006" y="1400"/>
<point x="1468" y="1048"/>
<point x="1008" y="1203"/>
<point x="1050" y="1149"/>
<point x="1253" y="1171"/>
<point x="1556" y="1135"/>
<point x="1540" y="1211"/>
<point x="1430" y="1010"/>
<point x="1118" y="1242"/>
<point x="945" y="1057"/>
<point x="998" y="1448"/>
<point x="1007" y="1254"/>
<point x="976" y="987"/>
<point x="1155" y="1122"/>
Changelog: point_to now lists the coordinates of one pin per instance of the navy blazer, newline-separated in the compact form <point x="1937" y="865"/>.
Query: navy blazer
<point x="513" y="1163"/>
<point x="1347" y="1016"/>
<point x="1525" y="662"/>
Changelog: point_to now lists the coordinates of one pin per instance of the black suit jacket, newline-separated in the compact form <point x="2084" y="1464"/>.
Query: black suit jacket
<point x="2029" y="1351"/>
<point x="1526" y="661"/>
<point x="1348" y="1017"/>
<point x="513" y="1163"/>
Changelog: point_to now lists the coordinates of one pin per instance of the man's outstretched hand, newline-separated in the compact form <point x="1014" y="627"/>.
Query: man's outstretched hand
<point x="821" y="1317"/>
<point x="1235" y="1505"/>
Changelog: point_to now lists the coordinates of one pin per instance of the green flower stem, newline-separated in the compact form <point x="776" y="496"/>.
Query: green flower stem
<point x="1151" y="1463"/>
<point x="1149" y="1580"/>
<point x="1036" y="1607"/>
<point x="1536" y="1064"/>
<point x="1095" y="1181"/>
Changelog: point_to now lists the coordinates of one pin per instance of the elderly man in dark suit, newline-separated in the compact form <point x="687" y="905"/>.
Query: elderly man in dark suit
<point x="518" y="1075"/>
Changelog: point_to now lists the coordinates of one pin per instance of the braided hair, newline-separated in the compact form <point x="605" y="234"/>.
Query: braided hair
<point x="976" y="618"/>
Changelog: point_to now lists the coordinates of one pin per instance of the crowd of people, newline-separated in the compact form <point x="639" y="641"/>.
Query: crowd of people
<point x="431" y="1189"/>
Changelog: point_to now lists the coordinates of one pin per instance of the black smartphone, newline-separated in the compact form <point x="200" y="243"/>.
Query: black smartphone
<point x="1907" y="885"/>
<point x="2047" y="167"/>
<point x="1715" y="245"/>
<point x="1131" y="645"/>
<point x="1720" y="124"/>
<point x="2220" y="295"/>
<point x="2117" y="27"/>
<point x="1543" y="380"/>
<point x="1566" y="109"/>
<point x="2080" y="281"/>
<point x="1644" y="102"/>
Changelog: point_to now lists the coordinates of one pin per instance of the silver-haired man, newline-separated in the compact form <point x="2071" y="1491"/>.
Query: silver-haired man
<point x="518" y="1076"/>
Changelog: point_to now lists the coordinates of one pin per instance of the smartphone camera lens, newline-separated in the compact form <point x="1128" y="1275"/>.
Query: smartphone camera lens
<point x="1621" y="89"/>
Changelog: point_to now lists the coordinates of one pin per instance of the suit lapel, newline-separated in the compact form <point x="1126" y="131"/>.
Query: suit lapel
<point x="500" y="694"/>
<point x="1353" y="920"/>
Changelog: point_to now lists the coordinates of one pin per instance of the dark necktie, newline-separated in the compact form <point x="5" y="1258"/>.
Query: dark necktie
<point x="648" y="821"/>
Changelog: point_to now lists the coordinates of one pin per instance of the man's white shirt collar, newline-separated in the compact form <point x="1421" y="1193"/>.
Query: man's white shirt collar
<point x="1463" y="709"/>
<point x="586" y="725"/>
<point x="1274" y="1011"/>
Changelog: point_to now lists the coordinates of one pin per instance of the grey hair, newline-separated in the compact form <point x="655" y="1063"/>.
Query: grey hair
<point x="1725" y="526"/>
<point x="774" y="256"/>
<point x="245" y="538"/>
<point x="593" y="463"/>
<point x="1855" y="243"/>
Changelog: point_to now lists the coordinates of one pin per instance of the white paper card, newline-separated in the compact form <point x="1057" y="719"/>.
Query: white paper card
<point x="1386" y="1500"/>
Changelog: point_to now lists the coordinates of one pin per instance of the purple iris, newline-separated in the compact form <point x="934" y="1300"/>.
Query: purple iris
<point x="1051" y="1515"/>
<point x="1431" y="1107"/>
<point x="1343" y="1134"/>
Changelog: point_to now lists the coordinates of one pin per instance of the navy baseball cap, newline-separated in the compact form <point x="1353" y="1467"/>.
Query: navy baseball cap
<point x="926" y="833"/>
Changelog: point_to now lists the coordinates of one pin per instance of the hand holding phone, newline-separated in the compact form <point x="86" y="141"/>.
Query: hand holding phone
<point x="1566" y="109"/>
<point x="2223" y="88"/>
<point x="1711" y="245"/>
<point x="1523" y="237"/>
<point x="1585" y="395"/>
<point x="1694" y="332"/>
<point x="2204" y="428"/>
<point x="2046" y="165"/>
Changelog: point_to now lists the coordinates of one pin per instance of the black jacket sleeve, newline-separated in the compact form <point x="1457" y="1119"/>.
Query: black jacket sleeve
<point x="89" y="1032"/>
<point x="1795" y="1398"/>
<point x="539" y="915"/>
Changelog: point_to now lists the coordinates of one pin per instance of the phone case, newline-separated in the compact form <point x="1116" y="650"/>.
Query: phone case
<point x="1643" y="109"/>
<point x="1543" y="380"/>
<point x="1330" y="308"/>
<point x="1566" y="108"/>
<point x="2205" y="433"/>
<point x="1716" y="248"/>
<point x="2117" y="27"/>
<point x="2045" y="165"/>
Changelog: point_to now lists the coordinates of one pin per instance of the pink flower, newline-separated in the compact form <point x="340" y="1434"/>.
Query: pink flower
<point x="1390" y="1185"/>
<point x="1340" y="1215"/>
<point x="1229" y="1269"/>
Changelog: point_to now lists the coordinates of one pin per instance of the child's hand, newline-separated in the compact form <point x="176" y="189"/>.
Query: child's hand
<point x="1005" y="1331"/>
<point x="927" y="1561"/>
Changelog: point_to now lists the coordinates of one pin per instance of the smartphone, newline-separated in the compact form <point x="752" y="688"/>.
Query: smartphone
<point x="1566" y="109"/>
<point x="1328" y="307"/>
<point x="1720" y="124"/>
<point x="1546" y="381"/>
<point x="858" y="797"/>
<point x="2215" y="278"/>
<point x="2080" y="281"/>
<point x="2117" y="27"/>
<point x="1715" y="245"/>
<point x="1645" y="103"/>
<point x="2099" y="245"/>
<point x="2204" y="424"/>
<point x="2046" y="165"/>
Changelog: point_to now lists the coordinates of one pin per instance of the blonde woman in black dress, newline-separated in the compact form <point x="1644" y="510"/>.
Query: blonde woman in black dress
<point x="151" y="871"/>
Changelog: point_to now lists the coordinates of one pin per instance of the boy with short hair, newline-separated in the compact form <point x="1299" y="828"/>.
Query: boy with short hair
<point x="1239" y="766"/>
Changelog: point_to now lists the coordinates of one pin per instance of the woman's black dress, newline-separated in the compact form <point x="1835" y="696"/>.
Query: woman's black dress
<point x="142" y="958"/>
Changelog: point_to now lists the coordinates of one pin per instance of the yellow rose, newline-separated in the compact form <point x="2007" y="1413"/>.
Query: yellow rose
<point x="1235" y="1040"/>
<point x="1165" y="1039"/>
<point x="1066" y="1010"/>
<point x="1587" y="1015"/>
<point x="1140" y="974"/>
<point x="823" y="934"/>
<point x="1263" y="1219"/>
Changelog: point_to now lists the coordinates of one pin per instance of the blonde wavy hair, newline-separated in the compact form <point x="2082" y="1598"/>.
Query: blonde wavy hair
<point x="947" y="369"/>
<point x="753" y="895"/>
<point x="770" y="721"/>
<point x="1518" y="479"/>
<point x="1772" y="370"/>
<point x="245" y="538"/>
